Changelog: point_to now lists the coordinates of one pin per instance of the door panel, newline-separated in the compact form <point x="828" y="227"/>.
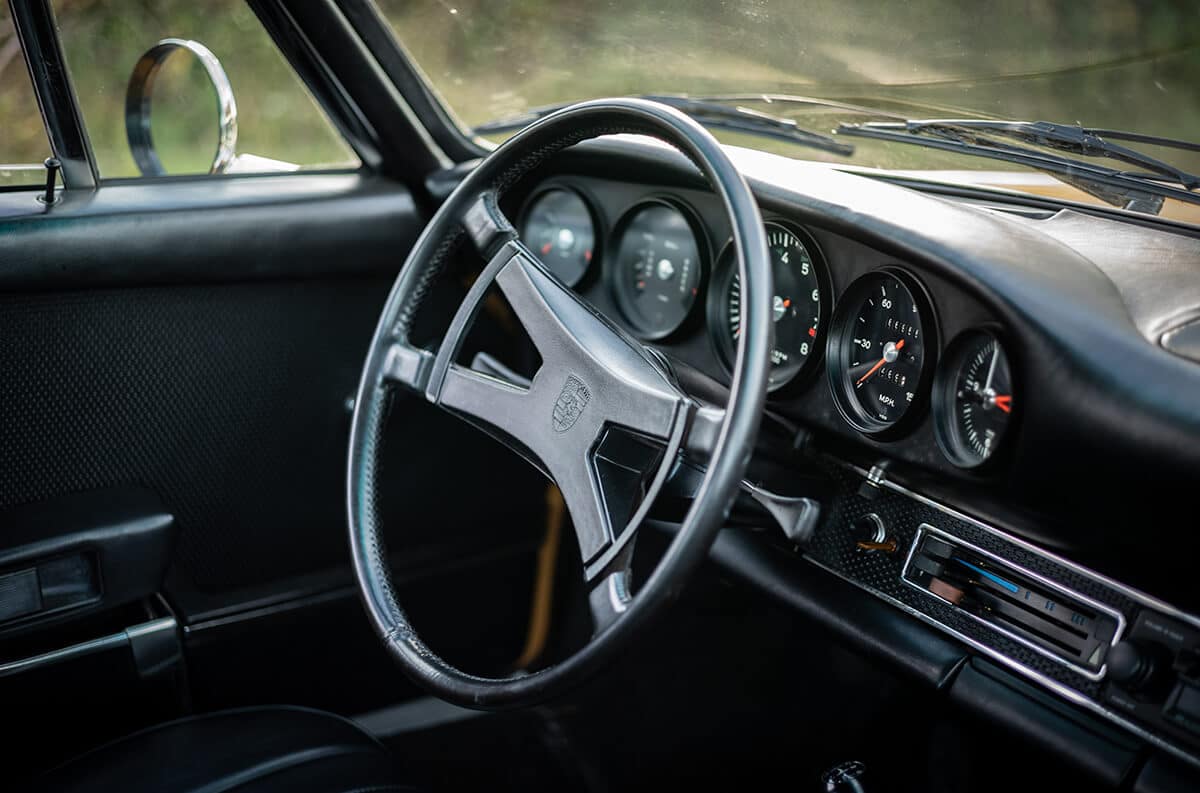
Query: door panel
<point x="228" y="400"/>
<point x="201" y="340"/>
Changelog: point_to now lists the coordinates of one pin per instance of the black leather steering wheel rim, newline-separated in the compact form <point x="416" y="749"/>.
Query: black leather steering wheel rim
<point x="473" y="209"/>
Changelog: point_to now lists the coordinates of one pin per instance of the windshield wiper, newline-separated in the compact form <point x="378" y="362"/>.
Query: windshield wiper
<point x="1138" y="191"/>
<point x="711" y="113"/>
<point x="1077" y="140"/>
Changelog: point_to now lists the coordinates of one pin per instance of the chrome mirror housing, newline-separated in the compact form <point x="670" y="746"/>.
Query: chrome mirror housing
<point x="138" y="99"/>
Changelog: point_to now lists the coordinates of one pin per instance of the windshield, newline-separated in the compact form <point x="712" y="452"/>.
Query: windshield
<point x="1128" y="65"/>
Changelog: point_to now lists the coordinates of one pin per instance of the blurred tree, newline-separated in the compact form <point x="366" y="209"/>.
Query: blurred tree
<point x="24" y="141"/>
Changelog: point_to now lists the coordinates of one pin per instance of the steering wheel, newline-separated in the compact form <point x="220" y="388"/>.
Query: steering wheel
<point x="603" y="417"/>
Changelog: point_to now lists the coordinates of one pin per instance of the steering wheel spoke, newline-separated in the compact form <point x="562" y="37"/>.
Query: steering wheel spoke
<point x="703" y="432"/>
<point x="407" y="365"/>
<point x="596" y="386"/>
<point x="495" y="406"/>
<point x="486" y="224"/>
<point x="610" y="595"/>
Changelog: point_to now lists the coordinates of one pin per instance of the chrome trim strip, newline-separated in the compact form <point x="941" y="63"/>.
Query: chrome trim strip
<point x="1063" y="691"/>
<point x="109" y="642"/>
<point x="148" y="628"/>
<point x="1096" y="676"/>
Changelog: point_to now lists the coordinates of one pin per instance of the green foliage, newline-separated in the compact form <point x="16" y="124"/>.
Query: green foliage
<point x="24" y="139"/>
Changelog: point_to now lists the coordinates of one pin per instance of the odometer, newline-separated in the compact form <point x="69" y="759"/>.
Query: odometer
<point x="880" y="350"/>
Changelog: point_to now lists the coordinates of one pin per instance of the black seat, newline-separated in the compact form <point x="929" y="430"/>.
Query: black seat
<point x="249" y="751"/>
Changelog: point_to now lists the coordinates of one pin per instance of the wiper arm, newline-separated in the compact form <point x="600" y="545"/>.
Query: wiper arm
<point x="1076" y="140"/>
<point x="1134" y="191"/>
<point x="710" y="113"/>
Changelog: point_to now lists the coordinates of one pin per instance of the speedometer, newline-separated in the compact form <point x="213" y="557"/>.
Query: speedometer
<point x="881" y="349"/>
<point x="799" y="306"/>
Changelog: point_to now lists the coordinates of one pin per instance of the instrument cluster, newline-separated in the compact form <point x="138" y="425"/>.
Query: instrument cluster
<point x="879" y="340"/>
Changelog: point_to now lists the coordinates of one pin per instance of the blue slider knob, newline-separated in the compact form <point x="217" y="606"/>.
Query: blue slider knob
<point x="1009" y="585"/>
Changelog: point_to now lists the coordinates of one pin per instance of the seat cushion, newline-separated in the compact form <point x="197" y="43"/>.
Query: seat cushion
<point x="252" y="750"/>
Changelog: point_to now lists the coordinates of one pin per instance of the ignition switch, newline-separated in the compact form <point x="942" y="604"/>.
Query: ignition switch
<point x="871" y="535"/>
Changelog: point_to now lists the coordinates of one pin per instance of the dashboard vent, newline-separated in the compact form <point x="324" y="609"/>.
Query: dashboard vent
<point x="1037" y="612"/>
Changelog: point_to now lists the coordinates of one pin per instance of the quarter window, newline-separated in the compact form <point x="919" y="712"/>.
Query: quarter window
<point x="279" y="127"/>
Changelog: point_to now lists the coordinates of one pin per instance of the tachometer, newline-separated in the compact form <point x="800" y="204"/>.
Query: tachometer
<point x="973" y="398"/>
<point x="658" y="268"/>
<point x="799" y="305"/>
<point x="558" y="227"/>
<point x="881" y="347"/>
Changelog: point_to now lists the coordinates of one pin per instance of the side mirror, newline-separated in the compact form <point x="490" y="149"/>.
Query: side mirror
<point x="138" y="105"/>
<point x="147" y="74"/>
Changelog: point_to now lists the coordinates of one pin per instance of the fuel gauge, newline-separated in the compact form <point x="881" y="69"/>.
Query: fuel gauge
<point x="973" y="398"/>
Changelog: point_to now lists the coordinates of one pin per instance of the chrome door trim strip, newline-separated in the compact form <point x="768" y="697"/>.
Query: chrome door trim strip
<point x="112" y="641"/>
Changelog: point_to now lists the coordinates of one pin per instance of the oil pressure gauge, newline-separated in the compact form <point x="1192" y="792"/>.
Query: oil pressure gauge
<point x="973" y="398"/>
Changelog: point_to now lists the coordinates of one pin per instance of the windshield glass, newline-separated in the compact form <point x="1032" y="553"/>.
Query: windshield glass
<point x="1125" y="65"/>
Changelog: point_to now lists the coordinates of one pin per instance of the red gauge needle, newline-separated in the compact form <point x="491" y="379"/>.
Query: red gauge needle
<point x="899" y="346"/>
<point x="1004" y="402"/>
<point x="546" y="248"/>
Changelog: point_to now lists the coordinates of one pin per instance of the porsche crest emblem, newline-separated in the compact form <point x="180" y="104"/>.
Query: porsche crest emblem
<point x="570" y="403"/>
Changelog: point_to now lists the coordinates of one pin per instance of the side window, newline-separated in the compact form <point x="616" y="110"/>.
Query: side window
<point x="177" y="126"/>
<point x="23" y="145"/>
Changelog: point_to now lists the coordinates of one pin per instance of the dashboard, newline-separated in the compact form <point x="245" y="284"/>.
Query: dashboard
<point x="867" y="346"/>
<point x="986" y="399"/>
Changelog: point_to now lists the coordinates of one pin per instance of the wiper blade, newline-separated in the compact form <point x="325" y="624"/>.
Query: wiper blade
<point x="796" y="100"/>
<point x="1076" y="140"/>
<point x="977" y="137"/>
<point x="711" y="113"/>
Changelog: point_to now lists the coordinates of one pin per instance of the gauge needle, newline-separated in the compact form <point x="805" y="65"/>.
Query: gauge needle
<point x="992" y="367"/>
<point x="887" y="350"/>
<point x="1002" y="401"/>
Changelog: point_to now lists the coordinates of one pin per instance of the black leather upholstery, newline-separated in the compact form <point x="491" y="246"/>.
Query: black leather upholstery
<point x="249" y="751"/>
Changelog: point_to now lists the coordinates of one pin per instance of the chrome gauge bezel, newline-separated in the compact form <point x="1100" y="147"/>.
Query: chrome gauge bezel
<point x="723" y="273"/>
<point x="612" y="274"/>
<point x="837" y="348"/>
<point x="945" y="385"/>
<point x="598" y="231"/>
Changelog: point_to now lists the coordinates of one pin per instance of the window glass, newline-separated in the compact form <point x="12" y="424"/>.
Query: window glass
<point x="24" y="144"/>
<point x="1129" y="65"/>
<point x="279" y="125"/>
